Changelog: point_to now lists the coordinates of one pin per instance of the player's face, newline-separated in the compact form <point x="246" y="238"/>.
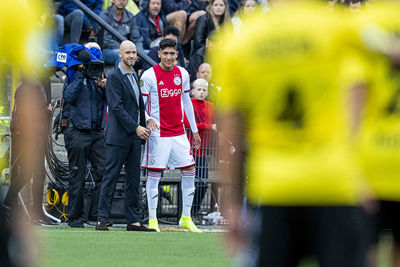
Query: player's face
<point x="167" y="57"/>
<point x="218" y="7"/>
<point x="128" y="55"/>
<point x="154" y="8"/>
<point x="200" y="92"/>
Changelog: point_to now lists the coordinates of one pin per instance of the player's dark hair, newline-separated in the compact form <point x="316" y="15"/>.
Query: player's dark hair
<point x="166" y="43"/>
<point x="171" y="30"/>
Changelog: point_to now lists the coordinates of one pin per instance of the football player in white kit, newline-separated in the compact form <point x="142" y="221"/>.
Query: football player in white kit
<point x="165" y="88"/>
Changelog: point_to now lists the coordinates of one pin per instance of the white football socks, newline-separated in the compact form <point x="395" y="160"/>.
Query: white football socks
<point x="153" y="178"/>
<point x="187" y="187"/>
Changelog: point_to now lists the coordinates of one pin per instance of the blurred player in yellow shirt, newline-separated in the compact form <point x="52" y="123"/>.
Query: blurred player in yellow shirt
<point x="379" y="146"/>
<point x="20" y="41"/>
<point x="290" y="80"/>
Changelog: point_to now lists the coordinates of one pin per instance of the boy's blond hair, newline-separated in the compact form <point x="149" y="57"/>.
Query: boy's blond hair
<point x="200" y="82"/>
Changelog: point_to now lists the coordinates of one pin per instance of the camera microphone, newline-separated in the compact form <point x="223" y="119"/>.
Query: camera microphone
<point x="84" y="56"/>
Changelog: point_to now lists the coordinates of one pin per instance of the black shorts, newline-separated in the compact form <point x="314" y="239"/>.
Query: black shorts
<point x="388" y="218"/>
<point x="334" y="234"/>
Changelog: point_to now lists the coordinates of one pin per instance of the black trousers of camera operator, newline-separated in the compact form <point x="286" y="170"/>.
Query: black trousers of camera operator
<point x="83" y="146"/>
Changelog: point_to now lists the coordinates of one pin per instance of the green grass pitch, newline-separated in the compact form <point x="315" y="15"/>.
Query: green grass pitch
<point x="63" y="246"/>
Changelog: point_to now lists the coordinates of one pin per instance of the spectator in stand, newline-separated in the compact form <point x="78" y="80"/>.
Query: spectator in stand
<point x="217" y="13"/>
<point x="151" y="24"/>
<point x="246" y="7"/>
<point x="76" y="20"/>
<point x="57" y="34"/>
<point x="205" y="72"/>
<point x="182" y="13"/>
<point x="131" y="6"/>
<point x="123" y="22"/>
<point x="170" y="32"/>
<point x="204" y="112"/>
<point x="234" y="5"/>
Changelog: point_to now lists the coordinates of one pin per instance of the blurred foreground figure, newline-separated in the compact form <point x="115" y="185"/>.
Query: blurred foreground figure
<point x="17" y="246"/>
<point x="379" y="146"/>
<point x="29" y="132"/>
<point x="29" y="135"/>
<point x="292" y="88"/>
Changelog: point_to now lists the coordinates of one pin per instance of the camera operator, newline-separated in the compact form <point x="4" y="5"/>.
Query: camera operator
<point x="84" y="117"/>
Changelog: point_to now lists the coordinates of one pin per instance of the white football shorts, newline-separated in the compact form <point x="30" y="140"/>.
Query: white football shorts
<point x="167" y="152"/>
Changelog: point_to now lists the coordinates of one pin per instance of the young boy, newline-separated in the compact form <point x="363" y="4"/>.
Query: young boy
<point x="204" y="112"/>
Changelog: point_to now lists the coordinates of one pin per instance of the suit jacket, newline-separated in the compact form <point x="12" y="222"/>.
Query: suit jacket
<point x="122" y="109"/>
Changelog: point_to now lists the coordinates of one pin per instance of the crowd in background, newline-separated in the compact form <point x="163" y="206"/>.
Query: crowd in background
<point x="146" y="22"/>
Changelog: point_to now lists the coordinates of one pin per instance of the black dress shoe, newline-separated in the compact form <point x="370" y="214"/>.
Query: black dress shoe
<point x="94" y="222"/>
<point x="141" y="228"/>
<point x="78" y="223"/>
<point x="101" y="226"/>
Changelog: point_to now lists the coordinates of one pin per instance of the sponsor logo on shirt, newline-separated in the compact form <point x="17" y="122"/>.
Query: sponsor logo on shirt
<point x="170" y="92"/>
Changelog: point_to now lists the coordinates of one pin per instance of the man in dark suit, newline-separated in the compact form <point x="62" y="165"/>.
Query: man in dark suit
<point x="124" y="131"/>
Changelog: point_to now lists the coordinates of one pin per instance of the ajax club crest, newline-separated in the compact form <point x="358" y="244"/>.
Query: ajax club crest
<point x="177" y="80"/>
